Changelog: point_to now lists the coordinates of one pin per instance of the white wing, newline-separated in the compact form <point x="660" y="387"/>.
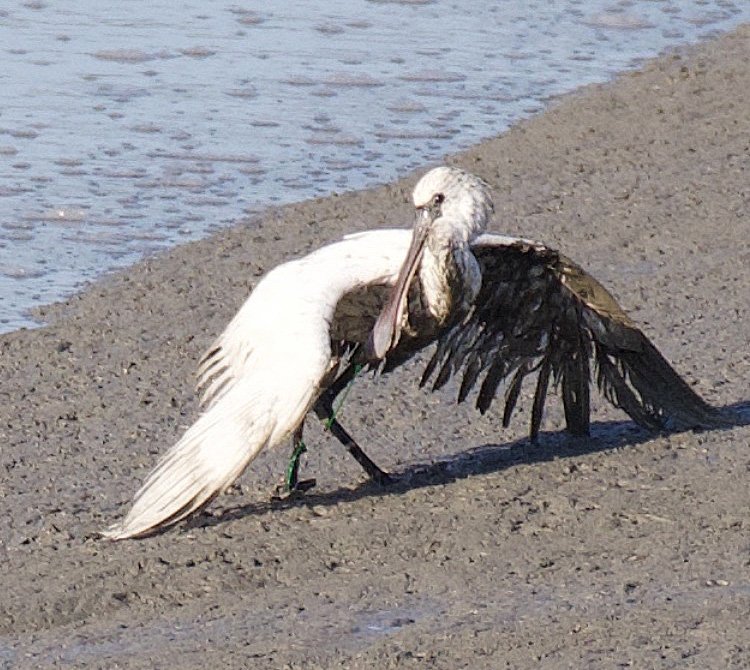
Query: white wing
<point x="262" y="375"/>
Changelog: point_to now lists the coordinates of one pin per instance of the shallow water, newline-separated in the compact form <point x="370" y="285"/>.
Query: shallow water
<point x="128" y="127"/>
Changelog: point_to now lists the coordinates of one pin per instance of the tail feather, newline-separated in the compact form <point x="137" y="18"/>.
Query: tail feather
<point x="213" y="452"/>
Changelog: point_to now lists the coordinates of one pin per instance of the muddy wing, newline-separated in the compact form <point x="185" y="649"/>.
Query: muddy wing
<point x="539" y="312"/>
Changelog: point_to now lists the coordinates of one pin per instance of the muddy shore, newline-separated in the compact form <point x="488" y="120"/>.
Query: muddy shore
<point x="625" y="549"/>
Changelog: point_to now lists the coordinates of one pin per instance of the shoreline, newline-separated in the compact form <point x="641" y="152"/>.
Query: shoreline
<point x="643" y="181"/>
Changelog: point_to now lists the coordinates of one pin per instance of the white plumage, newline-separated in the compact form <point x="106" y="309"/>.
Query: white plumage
<point x="274" y="354"/>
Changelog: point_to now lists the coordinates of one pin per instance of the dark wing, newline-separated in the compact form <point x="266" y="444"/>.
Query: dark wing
<point x="539" y="311"/>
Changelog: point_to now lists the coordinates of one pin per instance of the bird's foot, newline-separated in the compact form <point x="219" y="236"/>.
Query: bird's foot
<point x="382" y="478"/>
<point x="292" y="485"/>
<point x="284" y="491"/>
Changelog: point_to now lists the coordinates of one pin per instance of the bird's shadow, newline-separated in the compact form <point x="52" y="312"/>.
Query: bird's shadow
<point x="481" y="460"/>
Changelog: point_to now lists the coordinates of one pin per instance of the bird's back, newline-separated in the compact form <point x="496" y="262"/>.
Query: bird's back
<point x="282" y="332"/>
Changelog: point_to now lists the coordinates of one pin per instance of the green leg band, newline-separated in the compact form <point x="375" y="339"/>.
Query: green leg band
<point x="293" y="467"/>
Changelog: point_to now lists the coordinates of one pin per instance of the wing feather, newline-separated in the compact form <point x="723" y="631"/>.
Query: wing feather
<point x="538" y="310"/>
<point x="540" y="395"/>
<point x="514" y="390"/>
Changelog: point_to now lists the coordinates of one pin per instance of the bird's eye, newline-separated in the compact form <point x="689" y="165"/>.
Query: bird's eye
<point x="437" y="199"/>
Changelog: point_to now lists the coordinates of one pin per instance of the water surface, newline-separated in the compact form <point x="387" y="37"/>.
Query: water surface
<point x="128" y="127"/>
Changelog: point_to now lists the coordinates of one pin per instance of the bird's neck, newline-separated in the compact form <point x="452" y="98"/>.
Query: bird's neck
<point x="450" y="278"/>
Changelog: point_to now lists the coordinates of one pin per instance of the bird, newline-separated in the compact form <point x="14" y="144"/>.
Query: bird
<point x="498" y="308"/>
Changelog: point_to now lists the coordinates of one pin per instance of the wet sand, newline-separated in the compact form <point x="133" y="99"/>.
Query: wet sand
<point x="622" y="549"/>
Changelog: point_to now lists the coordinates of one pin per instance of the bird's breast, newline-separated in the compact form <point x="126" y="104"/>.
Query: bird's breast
<point x="450" y="280"/>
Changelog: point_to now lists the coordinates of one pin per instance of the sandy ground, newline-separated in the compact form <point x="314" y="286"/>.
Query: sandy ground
<point x="625" y="549"/>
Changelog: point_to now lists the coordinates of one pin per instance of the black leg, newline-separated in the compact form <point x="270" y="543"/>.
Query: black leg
<point x="341" y="382"/>
<point x="324" y="411"/>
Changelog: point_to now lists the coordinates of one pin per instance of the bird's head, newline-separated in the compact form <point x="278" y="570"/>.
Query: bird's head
<point x="453" y="207"/>
<point x="453" y="202"/>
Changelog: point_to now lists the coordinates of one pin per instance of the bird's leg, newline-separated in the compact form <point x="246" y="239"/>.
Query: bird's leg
<point x="339" y="388"/>
<point x="292" y="484"/>
<point x="376" y="474"/>
<point x="292" y="469"/>
<point x="325" y="411"/>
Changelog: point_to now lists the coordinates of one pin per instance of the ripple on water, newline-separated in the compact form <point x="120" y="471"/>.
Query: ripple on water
<point x="403" y="134"/>
<point x="300" y="80"/>
<point x="617" y="21"/>
<point x="244" y="92"/>
<point x="341" y="165"/>
<point x="126" y="56"/>
<point x="198" y="168"/>
<point x="121" y="93"/>
<point x="16" y="236"/>
<point x="20" y="272"/>
<point x="62" y="215"/>
<point x="211" y="158"/>
<point x="707" y="18"/>
<point x="406" y="106"/>
<point x="335" y="138"/>
<point x="330" y="29"/>
<point x="325" y="93"/>
<point x="254" y="170"/>
<point x="97" y="238"/>
<point x="20" y="134"/>
<point x="347" y="79"/>
<point x="206" y="201"/>
<point x="68" y="162"/>
<point x="121" y="173"/>
<point x="10" y="191"/>
<point x="359" y="23"/>
<point x="181" y="183"/>
<point x="430" y="75"/>
<point x="401" y="2"/>
<point x="247" y="17"/>
<point x="479" y="95"/>
<point x="146" y="128"/>
<point x="198" y="52"/>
